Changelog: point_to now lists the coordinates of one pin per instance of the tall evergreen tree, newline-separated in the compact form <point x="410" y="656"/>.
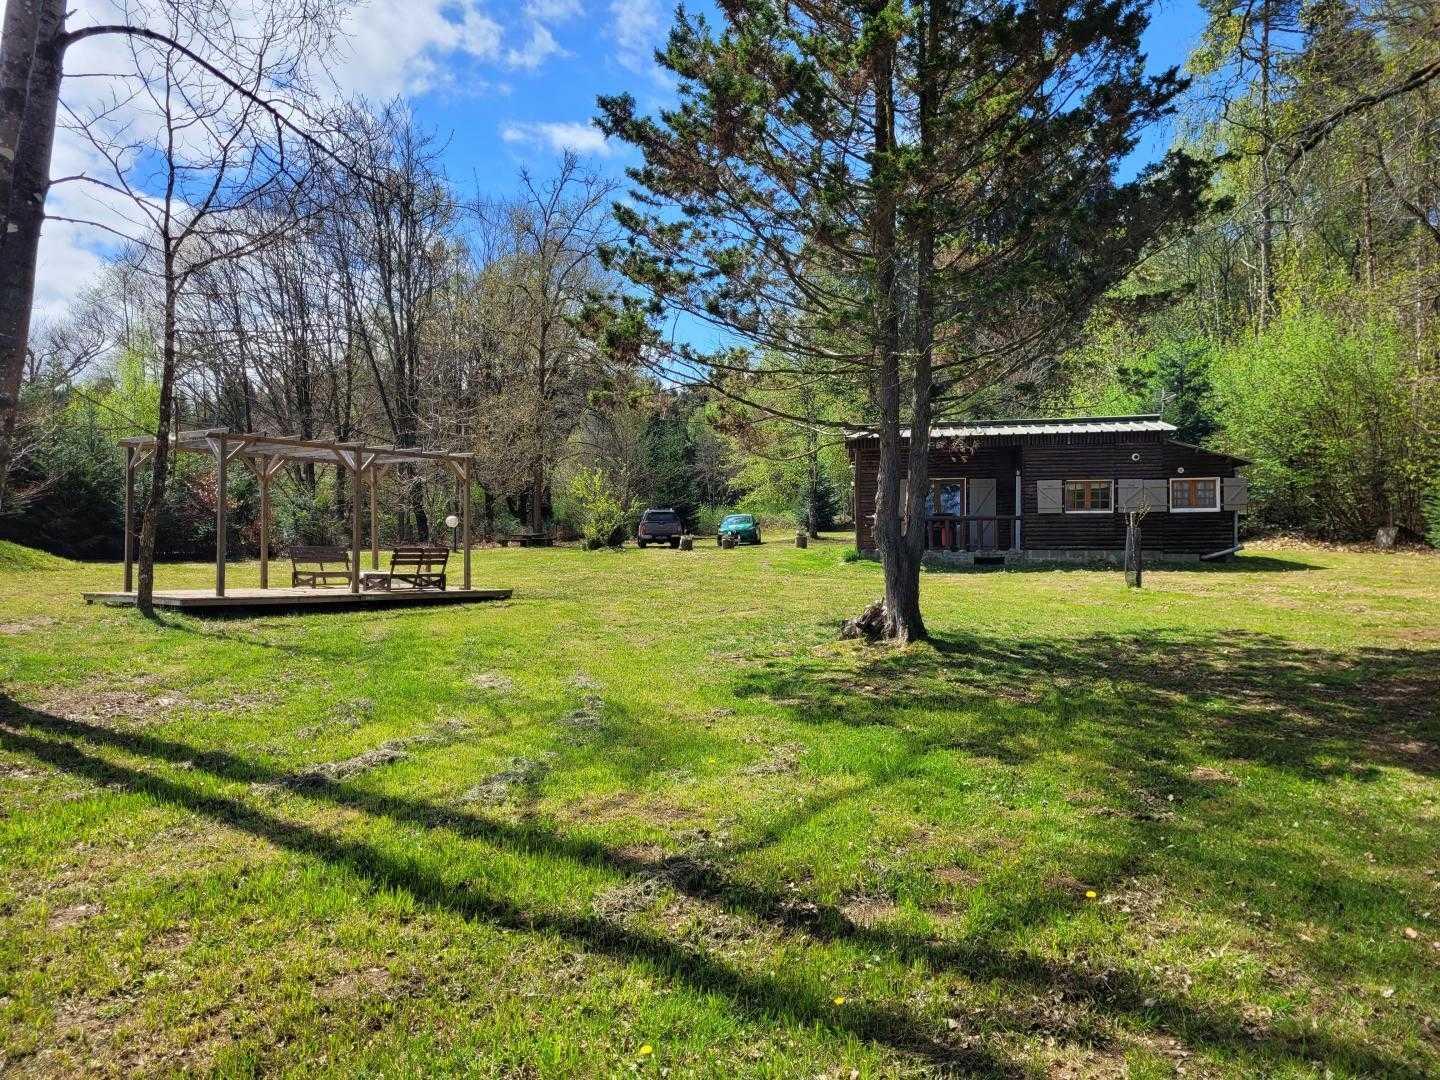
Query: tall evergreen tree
<point x="919" y="195"/>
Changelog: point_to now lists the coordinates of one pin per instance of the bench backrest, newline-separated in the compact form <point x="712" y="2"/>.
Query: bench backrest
<point x="318" y="555"/>
<point x="419" y="558"/>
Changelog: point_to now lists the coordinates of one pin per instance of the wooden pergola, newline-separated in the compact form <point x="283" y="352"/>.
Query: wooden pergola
<point x="267" y="454"/>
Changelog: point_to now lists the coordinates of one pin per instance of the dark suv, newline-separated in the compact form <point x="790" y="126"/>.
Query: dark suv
<point x="659" y="527"/>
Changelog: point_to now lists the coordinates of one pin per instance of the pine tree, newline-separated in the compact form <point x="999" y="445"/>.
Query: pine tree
<point x="920" y="196"/>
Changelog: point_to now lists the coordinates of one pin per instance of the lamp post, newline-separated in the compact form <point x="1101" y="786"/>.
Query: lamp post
<point x="454" y="523"/>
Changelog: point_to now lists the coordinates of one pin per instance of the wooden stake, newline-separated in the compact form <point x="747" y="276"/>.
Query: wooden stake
<point x="222" y="460"/>
<point x="129" y="519"/>
<point x="264" y="522"/>
<point x="355" y="525"/>
<point x="374" y="520"/>
<point x="465" y="516"/>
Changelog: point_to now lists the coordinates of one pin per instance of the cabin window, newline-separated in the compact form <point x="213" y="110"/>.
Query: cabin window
<point x="1088" y="497"/>
<point x="1194" y="494"/>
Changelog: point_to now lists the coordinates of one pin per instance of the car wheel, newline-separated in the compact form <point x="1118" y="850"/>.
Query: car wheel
<point x="675" y="544"/>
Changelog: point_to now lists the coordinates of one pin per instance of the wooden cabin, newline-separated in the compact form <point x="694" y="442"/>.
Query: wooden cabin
<point x="1011" y="490"/>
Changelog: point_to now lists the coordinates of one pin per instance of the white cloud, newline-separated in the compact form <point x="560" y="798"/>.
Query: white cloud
<point x="635" y="28"/>
<point x="552" y="10"/>
<point x="558" y="136"/>
<point x="541" y="46"/>
<point x="411" y="46"/>
<point x="390" y="47"/>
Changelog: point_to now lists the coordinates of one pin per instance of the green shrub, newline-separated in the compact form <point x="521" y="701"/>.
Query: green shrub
<point x="1430" y="509"/>
<point x="601" y="512"/>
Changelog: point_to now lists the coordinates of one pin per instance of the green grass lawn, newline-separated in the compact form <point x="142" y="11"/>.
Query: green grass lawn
<point x="651" y="817"/>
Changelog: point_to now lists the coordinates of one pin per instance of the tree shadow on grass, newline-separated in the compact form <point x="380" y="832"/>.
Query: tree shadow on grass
<point x="66" y="744"/>
<point x="1159" y="699"/>
<point x="1137" y="725"/>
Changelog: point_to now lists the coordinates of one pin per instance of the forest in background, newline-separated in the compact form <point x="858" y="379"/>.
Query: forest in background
<point x="1295" y="327"/>
<point x="1298" y="326"/>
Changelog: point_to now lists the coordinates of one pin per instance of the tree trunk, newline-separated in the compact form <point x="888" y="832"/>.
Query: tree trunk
<point x="17" y="53"/>
<point x="903" y="623"/>
<point x="160" y="464"/>
<point x="1266" y="290"/>
<point x="537" y="498"/>
<point x="812" y="501"/>
<point x="33" y="134"/>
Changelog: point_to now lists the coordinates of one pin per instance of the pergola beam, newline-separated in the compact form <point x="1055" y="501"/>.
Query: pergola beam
<point x="268" y="454"/>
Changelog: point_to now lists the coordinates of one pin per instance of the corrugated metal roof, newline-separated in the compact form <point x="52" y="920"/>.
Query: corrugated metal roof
<point x="1072" y="425"/>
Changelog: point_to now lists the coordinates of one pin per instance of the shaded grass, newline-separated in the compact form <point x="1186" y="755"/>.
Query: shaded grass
<point x="751" y="848"/>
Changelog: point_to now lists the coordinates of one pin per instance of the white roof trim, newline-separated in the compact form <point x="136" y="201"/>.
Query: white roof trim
<point x="1079" y="425"/>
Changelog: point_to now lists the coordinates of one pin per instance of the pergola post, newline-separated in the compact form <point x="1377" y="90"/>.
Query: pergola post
<point x="374" y="519"/>
<point x="264" y="472"/>
<point x="129" y="519"/>
<point x="465" y="515"/>
<point x="221" y="462"/>
<point x="354" y="519"/>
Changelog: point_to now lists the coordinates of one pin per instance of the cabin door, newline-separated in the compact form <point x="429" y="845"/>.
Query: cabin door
<point x="982" y="523"/>
<point x="945" y="509"/>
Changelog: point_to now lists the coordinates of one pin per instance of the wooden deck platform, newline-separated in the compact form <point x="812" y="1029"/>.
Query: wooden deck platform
<point x="247" y="599"/>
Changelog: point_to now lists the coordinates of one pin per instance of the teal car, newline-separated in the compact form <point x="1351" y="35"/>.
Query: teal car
<point x="743" y="527"/>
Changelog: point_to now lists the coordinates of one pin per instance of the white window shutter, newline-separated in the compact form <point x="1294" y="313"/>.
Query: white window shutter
<point x="982" y="497"/>
<point x="1156" y="496"/>
<point x="1235" y="493"/>
<point x="1048" y="497"/>
<point x="1128" y="494"/>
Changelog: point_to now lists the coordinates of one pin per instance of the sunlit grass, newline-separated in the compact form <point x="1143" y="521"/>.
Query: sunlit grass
<point x="651" y="815"/>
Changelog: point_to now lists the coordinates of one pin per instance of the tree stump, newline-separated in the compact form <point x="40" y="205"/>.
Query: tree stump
<point x="869" y="624"/>
<point x="687" y="542"/>
<point x="1386" y="536"/>
<point x="727" y="541"/>
<point x="801" y="540"/>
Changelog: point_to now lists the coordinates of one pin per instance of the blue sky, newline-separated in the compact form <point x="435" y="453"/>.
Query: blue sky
<point x="505" y="84"/>
<point x="608" y="46"/>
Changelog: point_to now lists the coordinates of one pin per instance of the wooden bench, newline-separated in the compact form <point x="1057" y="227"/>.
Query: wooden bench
<point x="421" y="566"/>
<point x="316" y="566"/>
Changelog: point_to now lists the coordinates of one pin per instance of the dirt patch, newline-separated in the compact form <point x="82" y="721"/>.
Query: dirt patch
<point x="628" y="898"/>
<point x="363" y="982"/>
<point x="17" y="772"/>
<point x="109" y="705"/>
<point x="1204" y="774"/>
<point x="622" y="805"/>
<point x="519" y="777"/>
<point x="26" y="626"/>
<point x="585" y="721"/>
<point x="493" y="681"/>
<point x="386" y="753"/>
<point x="348" y="715"/>
<point x="956" y="877"/>
<point x="331" y="771"/>
<point x="868" y="911"/>
<point x="73" y="915"/>
<point x="785" y="758"/>
<point x="583" y="681"/>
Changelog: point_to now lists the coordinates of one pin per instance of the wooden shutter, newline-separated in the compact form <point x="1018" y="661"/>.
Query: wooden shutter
<point x="1048" y="497"/>
<point x="1156" y="495"/>
<point x="1234" y="493"/>
<point x="981" y="495"/>
<point x="1127" y="494"/>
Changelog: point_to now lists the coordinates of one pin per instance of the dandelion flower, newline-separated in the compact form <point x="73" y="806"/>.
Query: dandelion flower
<point x="839" y="1001"/>
<point x="1090" y="894"/>
<point x="646" y="1050"/>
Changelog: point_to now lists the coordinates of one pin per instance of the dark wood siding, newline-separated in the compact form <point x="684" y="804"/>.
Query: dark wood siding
<point x="1069" y="457"/>
<point x="949" y="459"/>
